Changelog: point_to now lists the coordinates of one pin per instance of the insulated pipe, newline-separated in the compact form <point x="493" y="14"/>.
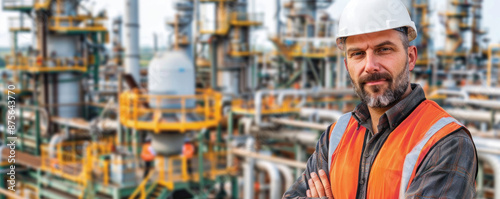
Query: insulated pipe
<point x="284" y="161"/>
<point x="301" y="137"/>
<point x="287" y="175"/>
<point x="132" y="66"/>
<point x="302" y="124"/>
<point x="451" y="92"/>
<point x="486" y="143"/>
<point x="493" y="104"/>
<point x="494" y="161"/>
<point x="247" y="123"/>
<point x="492" y="91"/>
<point x="474" y="115"/>
<point x="274" y="177"/>
<point x="332" y="115"/>
<point x="56" y="139"/>
<point x="248" y="170"/>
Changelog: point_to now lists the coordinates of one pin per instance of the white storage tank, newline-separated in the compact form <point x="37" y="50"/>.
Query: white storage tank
<point x="171" y="73"/>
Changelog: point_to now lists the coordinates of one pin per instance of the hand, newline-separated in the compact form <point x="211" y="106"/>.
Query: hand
<point x="319" y="186"/>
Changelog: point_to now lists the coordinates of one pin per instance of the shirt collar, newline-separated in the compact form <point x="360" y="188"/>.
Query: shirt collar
<point x="394" y="115"/>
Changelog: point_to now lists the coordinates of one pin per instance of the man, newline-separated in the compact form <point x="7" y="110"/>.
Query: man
<point x="395" y="144"/>
<point x="188" y="153"/>
<point x="148" y="155"/>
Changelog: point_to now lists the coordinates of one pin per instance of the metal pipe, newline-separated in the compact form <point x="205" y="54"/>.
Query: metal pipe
<point x="248" y="170"/>
<point x="491" y="91"/>
<point x="56" y="139"/>
<point x="274" y="177"/>
<point x="132" y="42"/>
<point x="302" y="124"/>
<point x="284" y="161"/>
<point x="494" y="161"/>
<point x="287" y="175"/>
<point x="492" y="104"/>
<point x="301" y="137"/>
<point x="332" y="115"/>
<point x="486" y="143"/>
<point x="474" y="115"/>
<point x="451" y="92"/>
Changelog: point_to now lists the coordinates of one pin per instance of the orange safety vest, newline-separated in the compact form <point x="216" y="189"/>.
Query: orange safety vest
<point x="188" y="150"/>
<point x="146" y="153"/>
<point x="395" y="165"/>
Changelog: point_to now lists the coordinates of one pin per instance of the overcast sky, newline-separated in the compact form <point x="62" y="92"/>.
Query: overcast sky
<point x="153" y="14"/>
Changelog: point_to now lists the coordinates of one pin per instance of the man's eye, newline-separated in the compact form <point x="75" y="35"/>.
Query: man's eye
<point x="356" y="54"/>
<point x="385" y="49"/>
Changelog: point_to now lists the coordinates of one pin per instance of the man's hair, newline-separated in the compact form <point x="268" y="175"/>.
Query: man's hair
<point x="403" y="35"/>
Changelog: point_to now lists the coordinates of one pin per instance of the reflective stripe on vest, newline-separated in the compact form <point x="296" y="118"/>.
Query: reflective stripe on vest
<point x="412" y="157"/>
<point x="336" y="135"/>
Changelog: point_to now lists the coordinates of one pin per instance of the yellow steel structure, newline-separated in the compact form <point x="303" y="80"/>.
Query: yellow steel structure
<point x="302" y="50"/>
<point x="202" y="62"/>
<point x="76" y="161"/>
<point x="72" y="24"/>
<point x="132" y="108"/>
<point x="242" y="50"/>
<point x="34" y="65"/>
<point x="246" y="19"/>
<point x="491" y="56"/>
<point x="176" y="171"/>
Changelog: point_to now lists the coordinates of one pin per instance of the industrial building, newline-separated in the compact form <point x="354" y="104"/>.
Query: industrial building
<point x="78" y="107"/>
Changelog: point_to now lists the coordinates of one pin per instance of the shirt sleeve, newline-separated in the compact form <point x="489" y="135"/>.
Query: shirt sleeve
<point x="448" y="171"/>
<point x="316" y="162"/>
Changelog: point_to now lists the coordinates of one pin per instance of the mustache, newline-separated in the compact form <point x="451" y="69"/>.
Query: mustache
<point x="375" y="77"/>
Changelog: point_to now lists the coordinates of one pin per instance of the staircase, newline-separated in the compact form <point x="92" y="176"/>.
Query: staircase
<point x="283" y="50"/>
<point x="158" y="192"/>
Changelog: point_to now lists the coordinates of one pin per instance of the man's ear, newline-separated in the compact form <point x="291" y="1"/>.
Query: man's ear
<point x="345" y="64"/>
<point x="412" y="57"/>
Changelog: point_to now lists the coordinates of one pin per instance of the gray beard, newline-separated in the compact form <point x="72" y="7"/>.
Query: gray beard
<point x="393" y="93"/>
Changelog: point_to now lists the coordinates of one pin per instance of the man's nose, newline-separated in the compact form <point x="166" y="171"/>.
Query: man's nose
<point x="372" y="65"/>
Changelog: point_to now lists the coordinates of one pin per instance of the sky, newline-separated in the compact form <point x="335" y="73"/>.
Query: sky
<point x="153" y="14"/>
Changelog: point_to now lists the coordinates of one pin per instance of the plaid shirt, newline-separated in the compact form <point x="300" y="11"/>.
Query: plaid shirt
<point x="448" y="171"/>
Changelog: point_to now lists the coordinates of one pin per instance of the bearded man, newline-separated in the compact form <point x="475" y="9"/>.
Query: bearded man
<point x="396" y="143"/>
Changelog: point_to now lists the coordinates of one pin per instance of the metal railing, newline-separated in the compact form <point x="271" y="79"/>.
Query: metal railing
<point x="23" y="23"/>
<point x="246" y="19"/>
<point x="34" y="64"/>
<point x="77" y="160"/>
<point x="174" y="169"/>
<point x="241" y="49"/>
<point x="134" y="111"/>
<point x="73" y="23"/>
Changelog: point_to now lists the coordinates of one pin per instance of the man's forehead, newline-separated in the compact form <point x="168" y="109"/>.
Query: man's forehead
<point x="373" y="39"/>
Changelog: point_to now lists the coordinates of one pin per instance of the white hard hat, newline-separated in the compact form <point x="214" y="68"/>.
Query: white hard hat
<point x="367" y="16"/>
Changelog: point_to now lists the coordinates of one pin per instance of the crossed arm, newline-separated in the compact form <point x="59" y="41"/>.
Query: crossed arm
<point x="448" y="171"/>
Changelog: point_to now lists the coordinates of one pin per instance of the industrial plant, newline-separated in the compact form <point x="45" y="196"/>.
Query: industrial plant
<point x="85" y="113"/>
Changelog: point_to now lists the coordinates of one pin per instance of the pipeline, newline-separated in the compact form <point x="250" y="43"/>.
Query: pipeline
<point x="287" y="175"/>
<point x="316" y="114"/>
<point x="301" y="124"/>
<point x="493" y="104"/>
<point x="474" y="115"/>
<point x="292" y="92"/>
<point x="274" y="177"/>
<point x="248" y="170"/>
<point x="494" y="161"/>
